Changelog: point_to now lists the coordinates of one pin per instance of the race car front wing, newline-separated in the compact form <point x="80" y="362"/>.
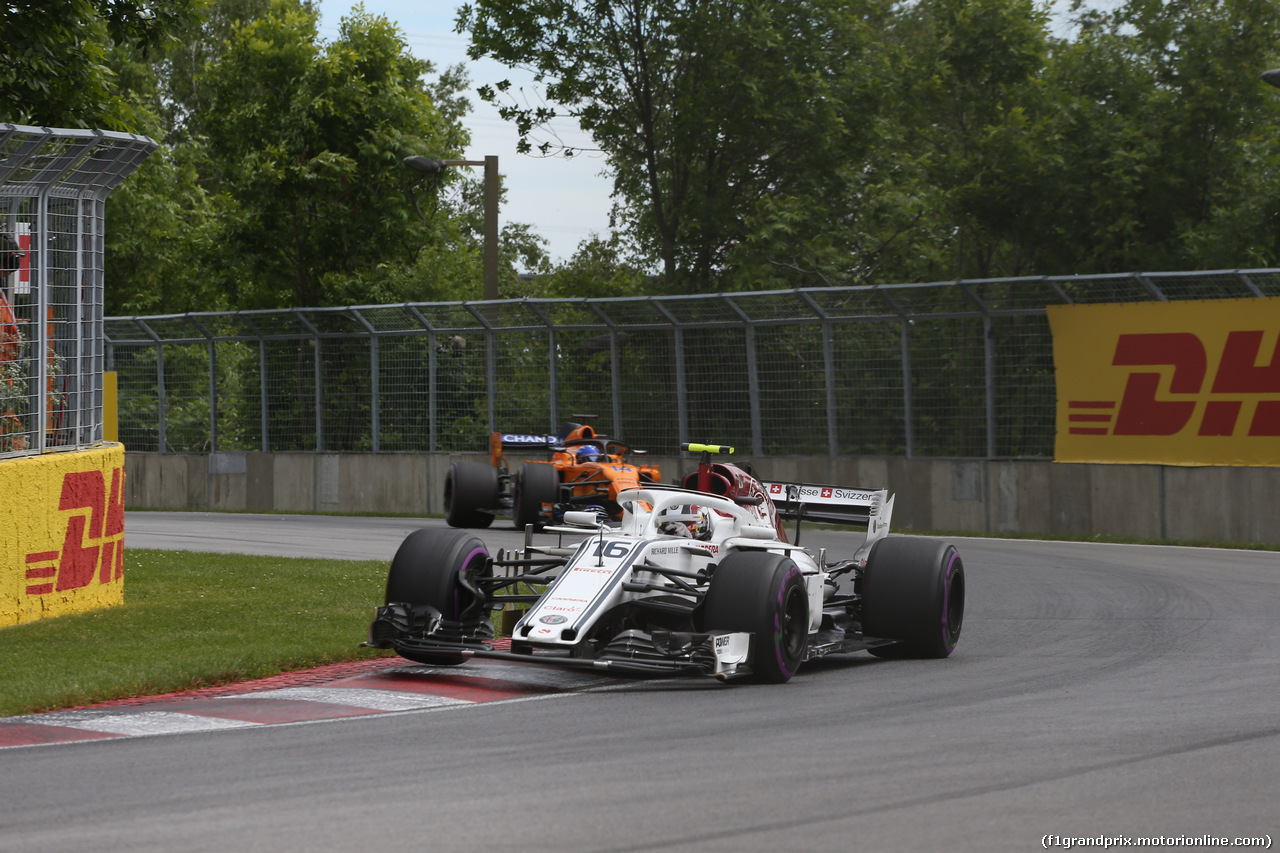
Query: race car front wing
<point x="421" y="630"/>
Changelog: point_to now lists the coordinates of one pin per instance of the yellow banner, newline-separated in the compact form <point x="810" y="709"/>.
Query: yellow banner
<point x="1168" y="383"/>
<point x="62" y="549"/>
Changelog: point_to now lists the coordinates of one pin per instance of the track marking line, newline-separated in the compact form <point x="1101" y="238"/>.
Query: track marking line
<point x="135" y="722"/>
<point x="378" y="700"/>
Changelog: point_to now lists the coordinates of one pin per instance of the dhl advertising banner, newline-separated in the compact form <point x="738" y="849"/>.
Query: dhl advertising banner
<point x="1168" y="383"/>
<point x="63" y="533"/>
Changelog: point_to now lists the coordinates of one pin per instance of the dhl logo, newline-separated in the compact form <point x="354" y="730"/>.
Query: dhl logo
<point x="1241" y="375"/>
<point x="93" y="545"/>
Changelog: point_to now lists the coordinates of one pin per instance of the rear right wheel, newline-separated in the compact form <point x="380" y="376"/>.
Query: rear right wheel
<point x="913" y="592"/>
<point x="537" y="483"/>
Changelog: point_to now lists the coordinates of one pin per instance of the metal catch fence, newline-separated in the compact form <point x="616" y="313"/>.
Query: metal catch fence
<point x="958" y="368"/>
<point x="53" y="190"/>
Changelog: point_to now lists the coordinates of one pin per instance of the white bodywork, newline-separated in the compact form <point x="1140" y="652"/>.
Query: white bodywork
<point x="592" y="580"/>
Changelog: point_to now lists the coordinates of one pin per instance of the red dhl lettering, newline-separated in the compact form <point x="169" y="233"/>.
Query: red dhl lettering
<point x="1140" y="412"/>
<point x="94" y="542"/>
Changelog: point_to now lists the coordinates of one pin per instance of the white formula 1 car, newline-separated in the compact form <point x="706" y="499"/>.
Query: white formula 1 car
<point x="700" y="580"/>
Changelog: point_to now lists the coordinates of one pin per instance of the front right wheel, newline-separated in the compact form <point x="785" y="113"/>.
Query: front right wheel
<point x="763" y="594"/>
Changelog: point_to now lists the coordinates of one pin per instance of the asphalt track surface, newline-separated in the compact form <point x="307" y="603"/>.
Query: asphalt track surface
<point x="1098" y="690"/>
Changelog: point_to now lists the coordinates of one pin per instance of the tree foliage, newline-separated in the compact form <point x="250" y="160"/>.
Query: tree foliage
<point x="776" y="144"/>
<point x="702" y="109"/>
<point x="280" y="179"/>
<point x="751" y="145"/>
<point x="55" y="70"/>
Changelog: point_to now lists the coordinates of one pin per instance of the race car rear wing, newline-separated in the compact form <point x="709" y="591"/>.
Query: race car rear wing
<point x="835" y="504"/>
<point x="499" y="441"/>
<point x="511" y="439"/>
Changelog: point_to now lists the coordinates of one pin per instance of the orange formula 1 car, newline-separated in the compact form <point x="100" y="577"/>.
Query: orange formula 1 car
<point x="584" y="471"/>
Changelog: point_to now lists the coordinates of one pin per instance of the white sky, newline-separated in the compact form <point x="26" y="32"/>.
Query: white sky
<point x="564" y="201"/>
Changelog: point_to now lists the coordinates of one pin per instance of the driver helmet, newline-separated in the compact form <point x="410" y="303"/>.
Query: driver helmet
<point x="688" y="522"/>
<point x="590" y="453"/>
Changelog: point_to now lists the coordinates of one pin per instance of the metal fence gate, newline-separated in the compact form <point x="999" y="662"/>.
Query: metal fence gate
<point x="958" y="368"/>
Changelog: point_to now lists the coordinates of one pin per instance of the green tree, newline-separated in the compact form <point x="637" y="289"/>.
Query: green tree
<point x="702" y="108"/>
<point x="1171" y="141"/>
<point x="305" y="148"/>
<point x="597" y="269"/>
<point x="54" y="68"/>
<point x="160" y="221"/>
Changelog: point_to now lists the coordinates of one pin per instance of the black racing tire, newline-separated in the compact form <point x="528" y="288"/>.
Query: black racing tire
<point x="913" y="591"/>
<point x="536" y="483"/>
<point x="764" y="594"/>
<point x="470" y="487"/>
<point x="426" y="569"/>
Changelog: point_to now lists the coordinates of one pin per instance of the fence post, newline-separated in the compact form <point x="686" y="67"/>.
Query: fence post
<point x="753" y="377"/>
<point x="41" y="337"/>
<point x="78" y="391"/>
<point x="213" y="397"/>
<point x="909" y="432"/>
<point x="1248" y="283"/>
<point x="263" y="396"/>
<point x="682" y="393"/>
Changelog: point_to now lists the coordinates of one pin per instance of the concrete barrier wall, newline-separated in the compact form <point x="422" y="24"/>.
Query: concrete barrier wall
<point x="973" y="496"/>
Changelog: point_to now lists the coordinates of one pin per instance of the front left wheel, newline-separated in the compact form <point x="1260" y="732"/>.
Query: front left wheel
<point x="429" y="568"/>
<point x="762" y="594"/>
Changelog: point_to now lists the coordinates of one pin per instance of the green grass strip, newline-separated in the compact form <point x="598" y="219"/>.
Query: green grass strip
<point x="193" y="620"/>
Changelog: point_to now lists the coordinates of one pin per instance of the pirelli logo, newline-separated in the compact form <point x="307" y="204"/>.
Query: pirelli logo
<point x="1180" y="383"/>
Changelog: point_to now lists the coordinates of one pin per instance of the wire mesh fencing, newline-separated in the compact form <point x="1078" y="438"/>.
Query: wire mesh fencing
<point x="957" y="369"/>
<point x="53" y="189"/>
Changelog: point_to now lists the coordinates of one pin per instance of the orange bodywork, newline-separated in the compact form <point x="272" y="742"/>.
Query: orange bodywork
<point x="590" y="481"/>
